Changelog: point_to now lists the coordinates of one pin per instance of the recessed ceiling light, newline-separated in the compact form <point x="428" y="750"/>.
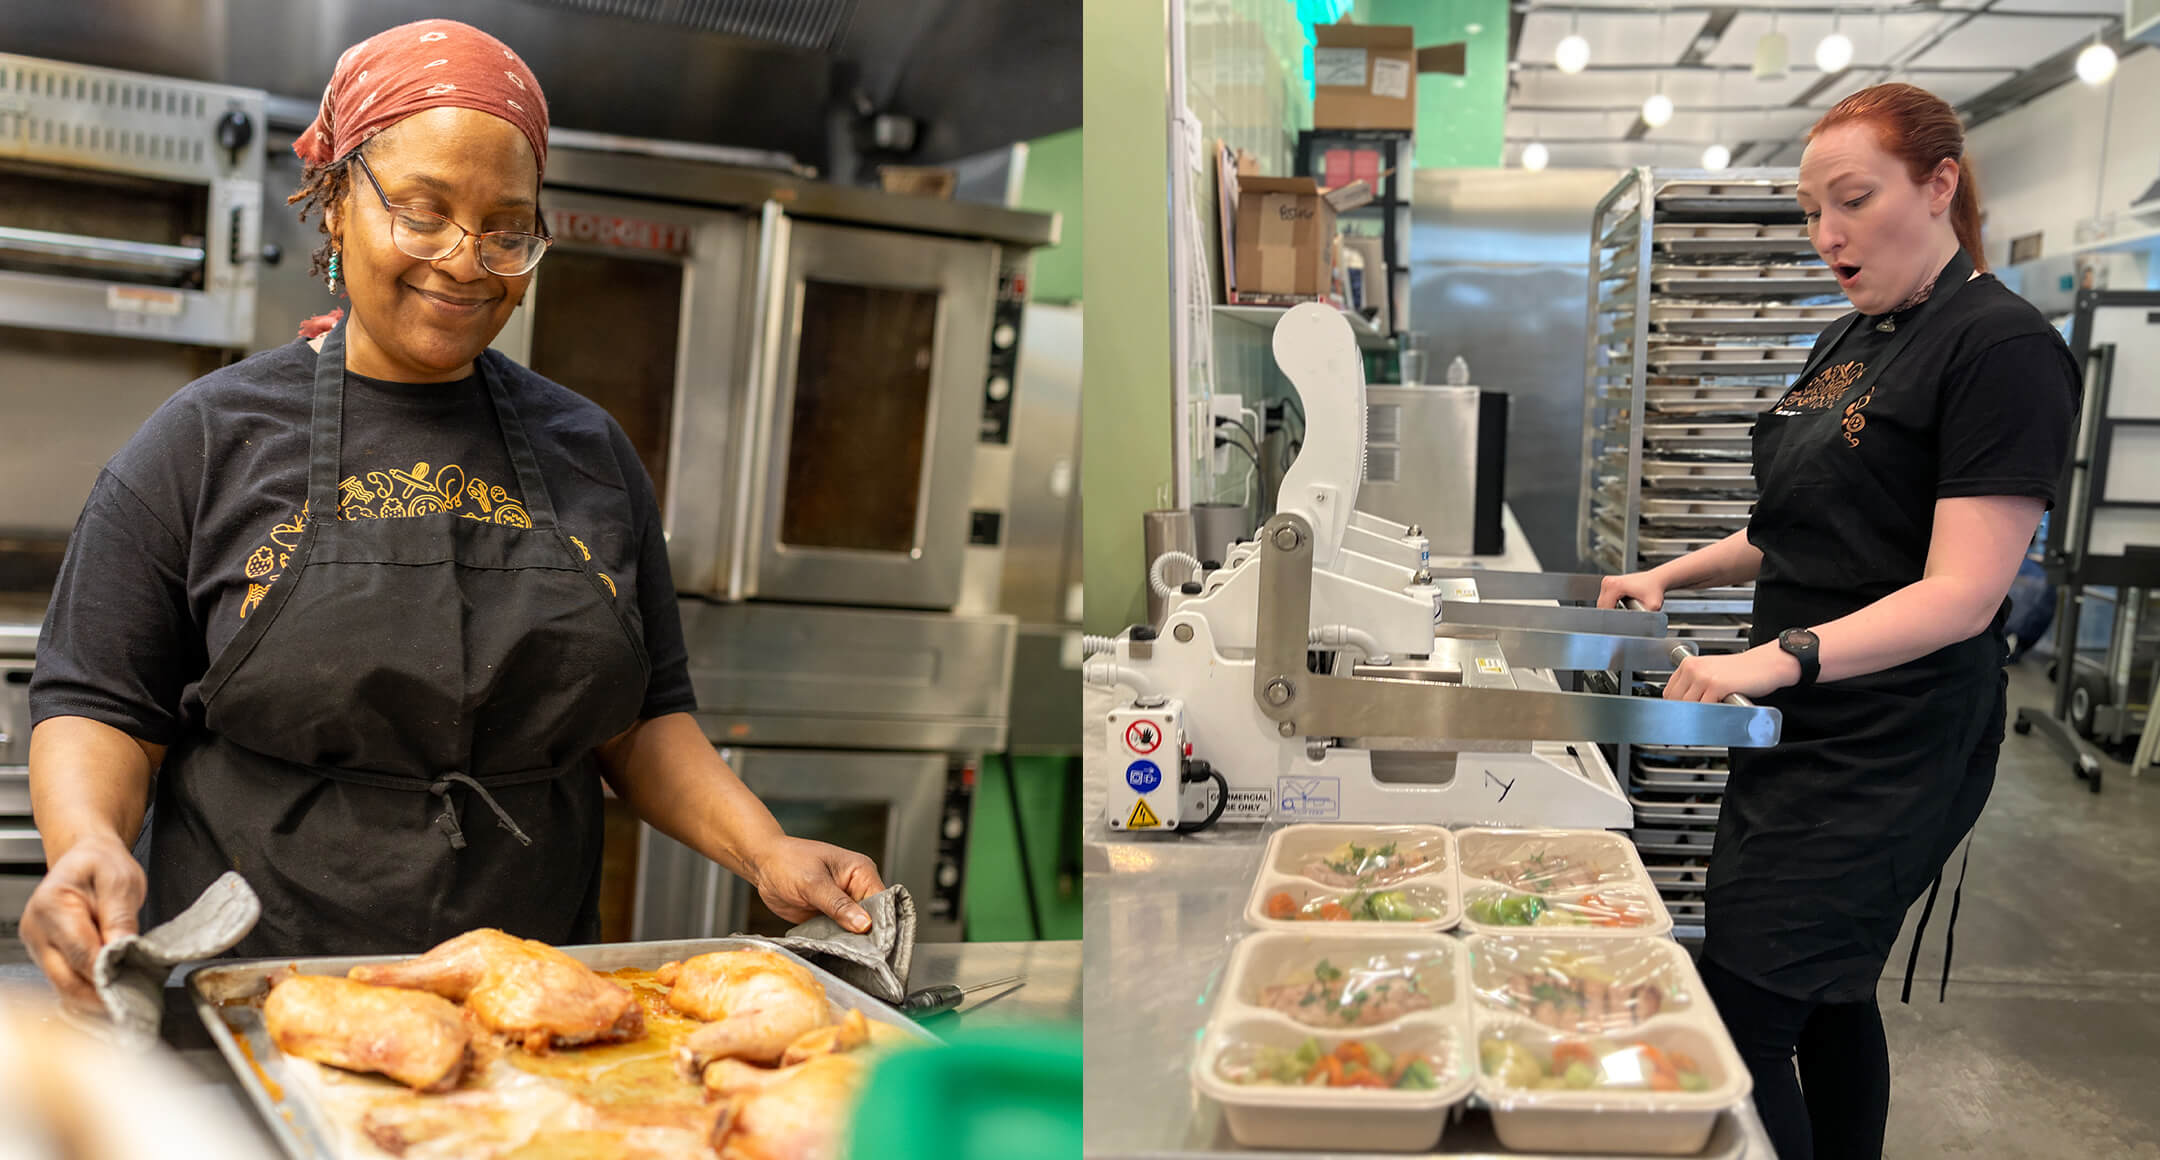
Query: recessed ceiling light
<point x="1573" y="54"/>
<point x="2096" y="64"/>
<point x="1657" y="110"/>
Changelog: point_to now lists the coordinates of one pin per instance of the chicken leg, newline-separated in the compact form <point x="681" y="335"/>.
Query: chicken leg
<point x="417" y="1039"/>
<point x="524" y="989"/>
<point x="754" y="1004"/>
<point x="793" y="1113"/>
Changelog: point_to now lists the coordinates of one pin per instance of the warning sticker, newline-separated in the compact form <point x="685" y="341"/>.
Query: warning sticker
<point x="1249" y="805"/>
<point x="1142" y="817"/>
<point x="1459" y="588"/>
<point x="1143" y="776"/>
<point x="1143" y="737"/>
<point x="1492" y="666"/>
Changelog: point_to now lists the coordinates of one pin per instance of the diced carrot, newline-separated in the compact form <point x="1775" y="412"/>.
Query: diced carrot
<point x="1334" y="1070"/>
<point x="1334" y="912"/>
<point x="1353" y="1050"/>
<point x="1682" y="1061"/>
<point x="1664" y="1081"/>
<point x="1571" y="1051"/>
<point x="1281" y="905"/>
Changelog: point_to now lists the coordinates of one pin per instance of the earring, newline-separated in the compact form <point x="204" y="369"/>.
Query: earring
<point x="333" y="279"/>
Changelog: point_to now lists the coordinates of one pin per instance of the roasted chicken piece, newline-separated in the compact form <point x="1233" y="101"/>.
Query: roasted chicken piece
<point x="415" y="1038"/>
<point x="521" y="988"/>
<point x="754" y="1003"/>
<point x="790" y="1113"/>
<point x="850" y="1033"/>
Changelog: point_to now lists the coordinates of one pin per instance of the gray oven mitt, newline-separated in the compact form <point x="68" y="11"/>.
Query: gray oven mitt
<point x="130" y="971"/>
<point x="878" y="961"/>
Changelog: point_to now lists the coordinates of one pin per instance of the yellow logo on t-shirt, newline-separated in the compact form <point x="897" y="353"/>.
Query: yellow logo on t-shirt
<point x="395" y="493"/>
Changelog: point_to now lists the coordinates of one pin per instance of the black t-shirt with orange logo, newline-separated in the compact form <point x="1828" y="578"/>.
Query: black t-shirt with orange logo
<point x="1982" y="401"/>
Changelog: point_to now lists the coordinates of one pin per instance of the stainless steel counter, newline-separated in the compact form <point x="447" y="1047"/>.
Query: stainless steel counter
<point x="1161" y="914"/>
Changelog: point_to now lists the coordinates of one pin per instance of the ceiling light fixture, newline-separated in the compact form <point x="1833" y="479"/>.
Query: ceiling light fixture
<point x="1657" y="110"/>
<point x="2096" y="64"/>
<point x="1573" y="54"/>
<point x="1716" y="157"/>
<point x="1771" y="53"/>
<point x="1535" y="156"/>
<point x="1834" y="53"/>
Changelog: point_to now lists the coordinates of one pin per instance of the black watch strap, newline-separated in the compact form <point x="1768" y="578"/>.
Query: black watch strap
<point x="1805" y="648"/>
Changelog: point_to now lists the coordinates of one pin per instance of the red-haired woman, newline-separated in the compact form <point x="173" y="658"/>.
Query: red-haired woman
<point x="1901" y="479"/>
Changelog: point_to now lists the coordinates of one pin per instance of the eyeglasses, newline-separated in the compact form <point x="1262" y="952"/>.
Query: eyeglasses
<point x="431" y="237"/>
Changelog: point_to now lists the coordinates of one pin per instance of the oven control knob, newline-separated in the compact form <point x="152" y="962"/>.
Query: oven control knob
<point x="955" y="826"/>
<point x="948" y="875"/>
<point x="1002" y="338"/>
<point x="235" y="130"/>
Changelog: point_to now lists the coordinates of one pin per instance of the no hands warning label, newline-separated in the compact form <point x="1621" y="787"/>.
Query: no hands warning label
<point x="1142" y="737"/>
<point x="1142" y="817"/>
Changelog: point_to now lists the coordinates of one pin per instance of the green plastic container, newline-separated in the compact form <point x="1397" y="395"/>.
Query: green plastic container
<point x="993" y="1095"/>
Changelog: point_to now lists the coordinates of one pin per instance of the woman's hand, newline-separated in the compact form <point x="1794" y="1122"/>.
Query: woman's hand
<point x="88" y="898"/>
<point x="799" y="879"/>
<point x="1757" y="672"/>
<point x="1646" y="587"/>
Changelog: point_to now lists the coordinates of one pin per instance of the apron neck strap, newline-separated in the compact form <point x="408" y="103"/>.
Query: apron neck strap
<point x="326" y="434"/>
<point x="1948" y="282"/>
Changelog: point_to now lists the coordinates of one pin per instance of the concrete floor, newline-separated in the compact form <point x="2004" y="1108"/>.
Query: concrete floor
<point x="2049" y="1045"/>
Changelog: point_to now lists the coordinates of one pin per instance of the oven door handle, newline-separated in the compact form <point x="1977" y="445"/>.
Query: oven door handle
<point x="148" y="257"/>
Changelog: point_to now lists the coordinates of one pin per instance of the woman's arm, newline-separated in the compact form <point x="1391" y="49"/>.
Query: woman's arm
<point x="89" y="787"/>
<point x="673" y="778"/>
<point x="1731" y="560"/>
<point x="1973" y="555"/>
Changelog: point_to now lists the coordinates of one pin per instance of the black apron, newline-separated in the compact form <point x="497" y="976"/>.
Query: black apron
<point x="399" y="744"/>
<point x="1826" y="840"/>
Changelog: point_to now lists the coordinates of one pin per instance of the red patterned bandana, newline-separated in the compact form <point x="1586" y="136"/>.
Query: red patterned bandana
<point x="428" y="64"/>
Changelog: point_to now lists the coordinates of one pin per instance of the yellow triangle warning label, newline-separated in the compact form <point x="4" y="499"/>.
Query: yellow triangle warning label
<point x="1142" y="817"/>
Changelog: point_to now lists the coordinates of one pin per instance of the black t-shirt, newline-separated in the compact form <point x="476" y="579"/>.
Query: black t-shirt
<point x="1982" y="402"/>
<point x="193" y="521"/>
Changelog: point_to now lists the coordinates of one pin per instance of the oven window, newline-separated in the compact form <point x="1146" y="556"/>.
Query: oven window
<point x="607" y="327"/>
<point x="858" y="826"/>
<point x="860" y="419"/>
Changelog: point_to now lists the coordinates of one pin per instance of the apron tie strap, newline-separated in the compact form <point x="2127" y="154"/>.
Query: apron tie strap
<point x="448" y="821"/>
<point x="1957" y="900"/>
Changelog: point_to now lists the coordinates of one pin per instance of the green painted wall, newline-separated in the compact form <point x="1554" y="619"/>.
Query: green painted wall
<point x="1052" y="185"/>
<point x="997" y="911"/>
<point x="1462" y="121"/>
<point x="1125" y="393"/>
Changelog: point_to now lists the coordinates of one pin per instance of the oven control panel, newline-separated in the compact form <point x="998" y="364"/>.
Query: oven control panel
<point x="1003" y="368"/>
<point x="959" y="813"/>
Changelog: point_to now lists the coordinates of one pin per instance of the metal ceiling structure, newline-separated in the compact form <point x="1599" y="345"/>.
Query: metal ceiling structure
<point x="1985" y="57"/>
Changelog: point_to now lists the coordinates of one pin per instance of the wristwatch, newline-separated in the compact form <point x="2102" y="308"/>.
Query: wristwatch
<point x="1806" y="649"/>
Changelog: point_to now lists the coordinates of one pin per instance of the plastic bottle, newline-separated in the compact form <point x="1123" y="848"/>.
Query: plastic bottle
<point x="1458" y="373"/>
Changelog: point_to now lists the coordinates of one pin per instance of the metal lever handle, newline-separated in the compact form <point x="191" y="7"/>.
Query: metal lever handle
<point x="1682" y="650"/>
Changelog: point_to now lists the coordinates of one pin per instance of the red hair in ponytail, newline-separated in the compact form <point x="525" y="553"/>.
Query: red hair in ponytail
<point x="1922" y="130"/>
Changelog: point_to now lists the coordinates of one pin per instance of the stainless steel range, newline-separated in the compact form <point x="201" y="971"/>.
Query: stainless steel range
<point x="820" y="380"/>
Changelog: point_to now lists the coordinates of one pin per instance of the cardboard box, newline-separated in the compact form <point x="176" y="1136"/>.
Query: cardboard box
<point x="921" y="181"/>
<point x="1365" y="76"/>
<point x="1285" y="238"/>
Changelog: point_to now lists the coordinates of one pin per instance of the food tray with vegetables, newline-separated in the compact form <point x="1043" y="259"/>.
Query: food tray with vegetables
<point x="1587" y="882"/>
<point x="1582" y="986"/>
<point x="1605" y="1045"/>
<point x="1657" y="1090"/>
<point x="1340" y="1043"/>
<point x="1358" y="879"/>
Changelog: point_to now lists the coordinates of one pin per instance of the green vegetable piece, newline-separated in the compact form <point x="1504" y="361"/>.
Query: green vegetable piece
<point x="1325" y="972"/>
<point x="1418" y="1077"/>
<point x="1693" y="1082"/>
<point x="1382" y="1060"/>
<point x="1579" y="1075"/>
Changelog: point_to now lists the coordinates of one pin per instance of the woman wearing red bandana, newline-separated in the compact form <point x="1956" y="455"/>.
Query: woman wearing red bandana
<point x="371" y="617"/>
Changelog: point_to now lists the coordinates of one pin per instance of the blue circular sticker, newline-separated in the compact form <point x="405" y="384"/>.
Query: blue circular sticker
<point x="1143" y="776"/>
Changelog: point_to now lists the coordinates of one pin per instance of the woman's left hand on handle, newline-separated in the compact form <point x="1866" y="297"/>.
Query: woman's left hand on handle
<point x="1757" y="672"/>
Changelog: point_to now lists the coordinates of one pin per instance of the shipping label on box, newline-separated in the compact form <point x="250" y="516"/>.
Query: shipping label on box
<point x="1380" y="92"/>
